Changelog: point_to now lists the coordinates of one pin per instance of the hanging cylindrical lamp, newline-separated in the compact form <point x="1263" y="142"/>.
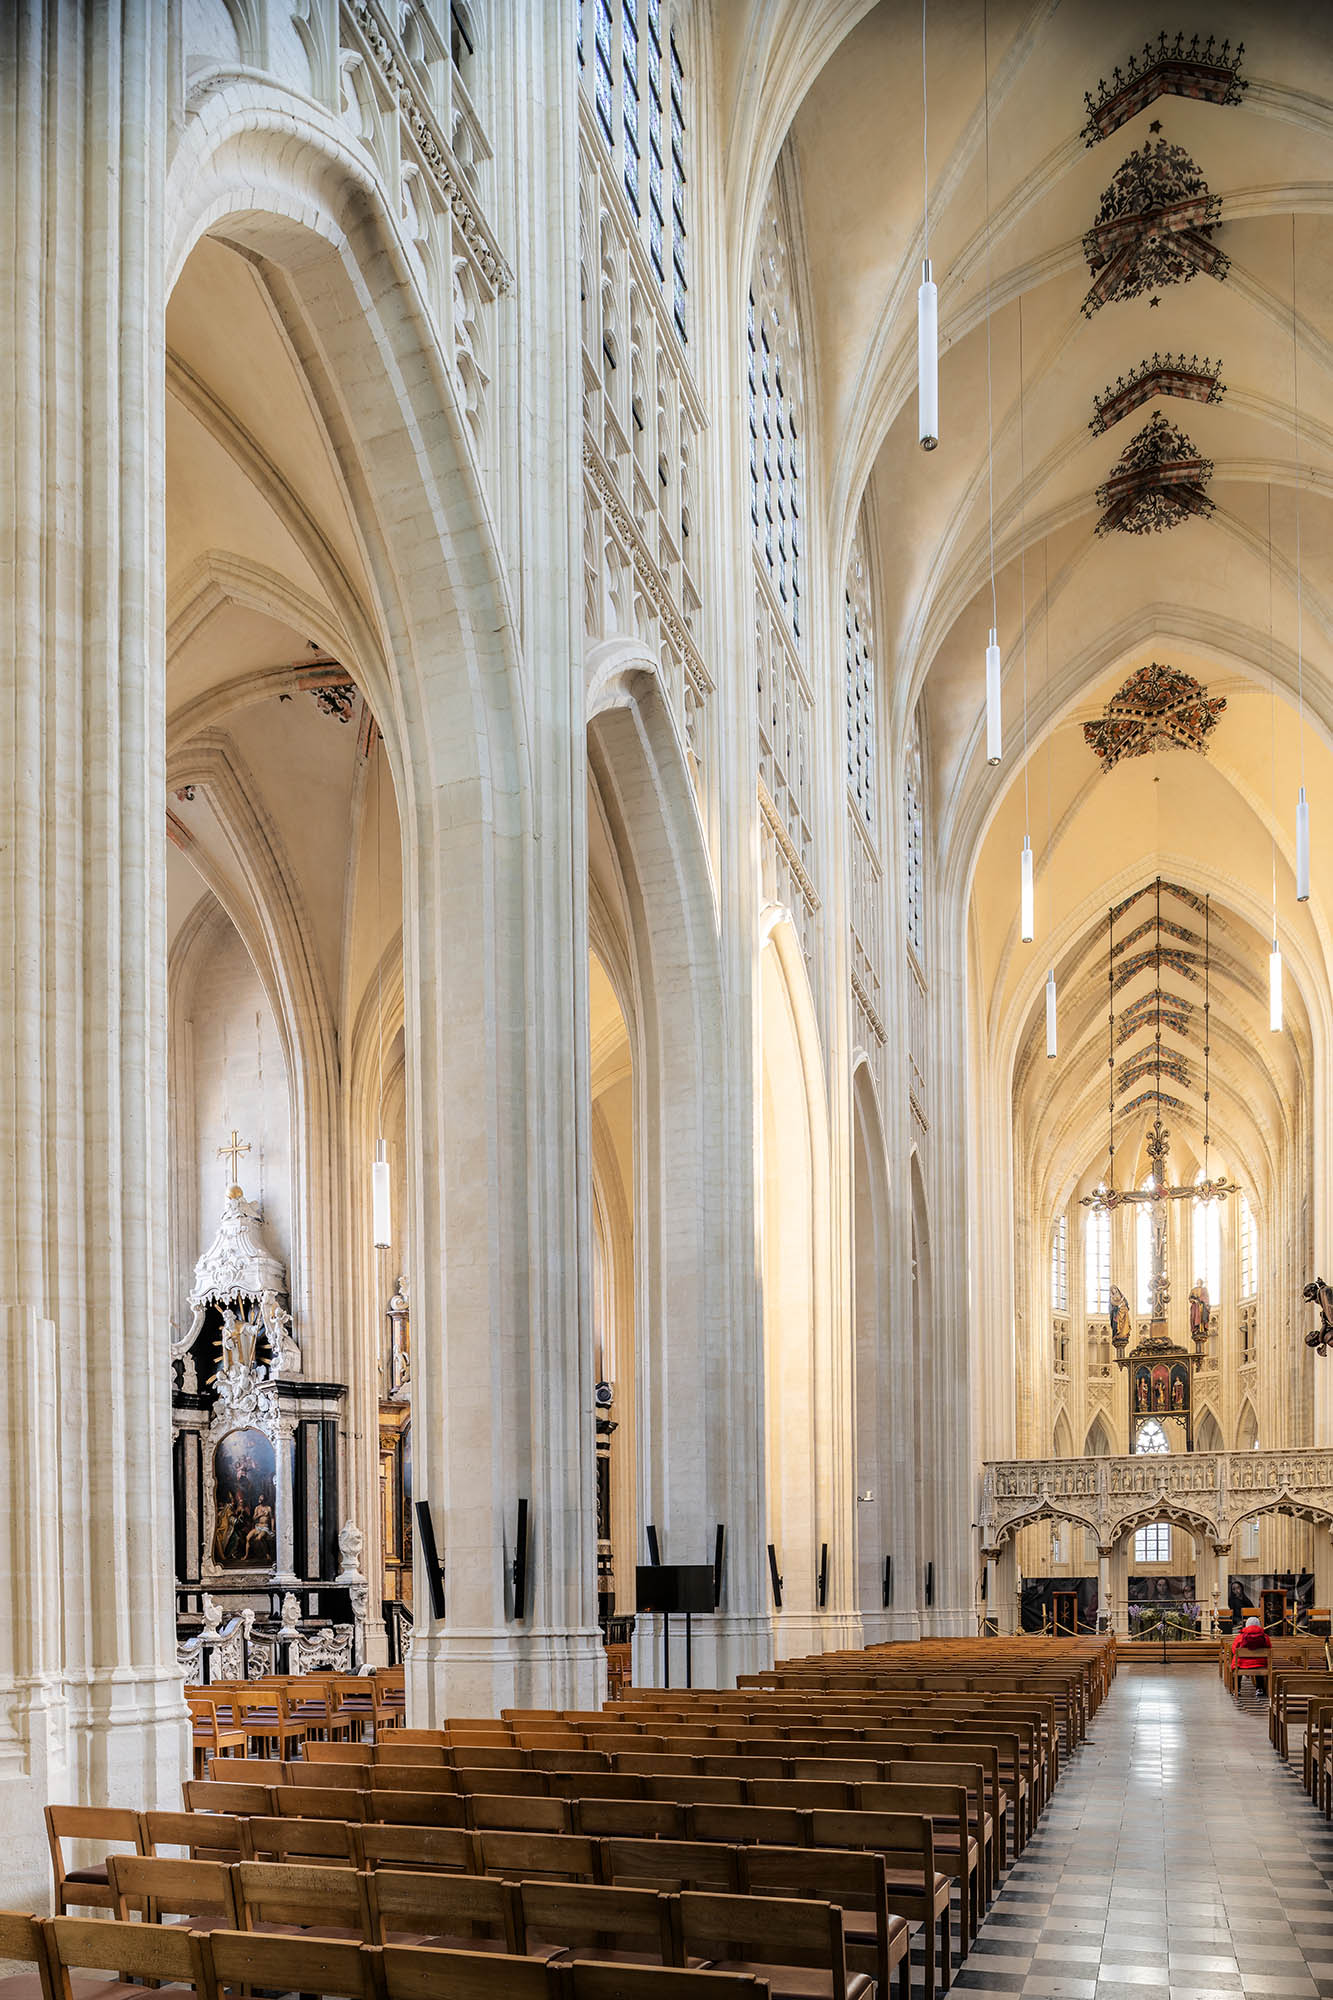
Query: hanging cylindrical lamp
<point x="379" y="1197"/>
<point x="1275" y="989"/>
<point x="928" y="360"/>
<point x="1050" y="1014"/>
<point x="1028" y="900"/>
<point x="994" y="725"/>
<point x="1302" y="847"/>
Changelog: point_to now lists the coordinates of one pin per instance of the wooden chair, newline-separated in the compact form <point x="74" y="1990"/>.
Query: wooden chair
<point x="244" y="1770"/>
<point x="445" y="1849"/>
<point x="418" y="1972"/>
<point x="518" y="1814"/>
<point x="282" y="1897"/>
<point x="165" y="1953"/>
<point x="314" y="1965"/>
<point x="352" y="1704"/>
<point x="561" y="1759"/>
<point x="980" y="1825"/>
<point x="209" y="1737"/>
<point x="212" y="1796"/>
<point x="202" y="1891"/>
<point x="561" y="1857"/>
<point x="414" y="1808"/>
<point x="916" y="1888"/>
<point x="204" y="1836"/>
<point x="22" y="1943"/>
<point x="88" y="1886"/>
<point x="570" y="1921"/>
<point x="450" y="1912"/>
<point x="671" y="1865"/>
<point x="265" y="1718"/>
<point x="333" y="1843"/>
<point x="768" y="1937"/>
<point x="877" y="1941"/>
<point x="957" y="1852"/>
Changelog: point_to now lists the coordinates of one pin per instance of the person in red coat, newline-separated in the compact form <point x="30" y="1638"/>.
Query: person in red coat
<point x="1250" y="1646"/>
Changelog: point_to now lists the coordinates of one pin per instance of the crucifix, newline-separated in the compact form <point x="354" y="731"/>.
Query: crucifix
<point x="1159" y="1190"/>
<point x="232" y="1151"/>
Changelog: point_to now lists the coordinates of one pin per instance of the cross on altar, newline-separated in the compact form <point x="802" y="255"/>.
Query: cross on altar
<point x="232" y="1151"/>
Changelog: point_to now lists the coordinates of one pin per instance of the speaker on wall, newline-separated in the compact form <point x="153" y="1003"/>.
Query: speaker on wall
<point x="821" y="1588"/>
<point x="888" y="1580"/>
<point x="521" y="1562"/>
<point x="654" y="1552"/>
<point x="930" y="1583"/>
<point x="433" y="1566"/>
<point x="774" y="1578"/>
<point x="719" y="1544"/>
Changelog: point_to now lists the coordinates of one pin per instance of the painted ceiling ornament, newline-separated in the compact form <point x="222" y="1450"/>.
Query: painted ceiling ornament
<point x="1158" y="481"/>
<point x="1202" y="70"/>
<point x="1158" y="708"/>
<point x="1154" y="227"/>
<point x="1192" y="380"/>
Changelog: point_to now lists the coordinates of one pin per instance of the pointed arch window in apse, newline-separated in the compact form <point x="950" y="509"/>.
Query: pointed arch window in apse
<point x="1151" y="1438"/>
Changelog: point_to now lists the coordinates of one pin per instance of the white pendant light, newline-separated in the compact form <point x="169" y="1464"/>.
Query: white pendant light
<point x="1302" y="847"/>
<point x="928" y="360"/>
<point x="1029" y="924"/>
<point x="994" y="723"/>
<point x="1275" y="989"/>
<point x="379" y="1198"/>
<point x="1050" y="1014"/>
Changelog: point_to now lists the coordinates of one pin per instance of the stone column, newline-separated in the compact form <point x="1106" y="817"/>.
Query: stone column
<point x="284" y="1523"/>
<point x="1222" y="1550"/>
<point x="1103" y="1585"/>
<point x="90" y="1693"/>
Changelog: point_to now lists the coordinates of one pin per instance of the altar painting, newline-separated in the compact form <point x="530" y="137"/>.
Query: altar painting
<point x="1161" y="1388"/>
<point x="245" y="1496"/>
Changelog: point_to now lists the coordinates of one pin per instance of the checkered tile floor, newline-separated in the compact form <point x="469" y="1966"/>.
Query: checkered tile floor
<point x="1177" y="1860"/>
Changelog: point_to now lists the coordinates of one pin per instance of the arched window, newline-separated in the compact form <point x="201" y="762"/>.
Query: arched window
<point x="1060" y="1265"/>
<point x="859" y="683"/>
<point x="1151" y="1439"/>
<point x="1208" y="1243"/>
<point x="632" y="65"/>
<point x="1143" y="1259"/>
<point x="1249" y="1250"/>
<point x="914" y="838"/>
<point x="777" y="499"/>
<point x="1097" y="1261"/>
<point x="1153" y="1543"/>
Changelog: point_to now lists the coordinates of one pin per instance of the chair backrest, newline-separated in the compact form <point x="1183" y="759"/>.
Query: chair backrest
<point x="320" y="1898"/>
<point x="567" y="1857"/>
<point x="447" y="1849"/>
<point x="137" y="1951"/>
<point x="108" y="1826"/>
<point x="670" y="1865"/>
<point x="319" y="1802"/>
<point x="486" y="1756"/>
<point x="558" y="1757"/>
<point x="212" y="1795"/>
<point x="589" y="1980"/>
<point x="413" y="1808"/>
<point x="415" y="1777"/>
<point x="417" y="1972"/>
<point x="341" y="1753"/>
<point x="637" y="1819"/>
<point x="337" y="1777"/>
<point x="513" y="1810"/>
<point x="825" y="1794"/>
<point x="906" y="1840"/>
<point x="775" y="1826"/>
<point x="22" y="1943"/>
<point x="396" y="1750"/>
<point x="778" y="1930"/>
<point x="281" y="1838"/>
<point x="854" y="1881"/>
<point x="172" y="1888"/>
<point x="330" y="1966"/>
<point x="593" y="1784"/>
<point x="455" y="1906"/>
<point x="204" y="1836"/>
<point x="698" y="1790"/>
<point x="583" y="1914"/>
<point x="247" y="1770"/>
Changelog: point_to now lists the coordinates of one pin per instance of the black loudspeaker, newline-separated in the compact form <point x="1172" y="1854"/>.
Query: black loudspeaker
<point x="718" y="1546"/>
<point x="888" y="1580"/>
<point x="985" y="1573"/>
<point x="821" y="1586"/>
<point x="930" y="1583"/>
<point x="774" y="1578"/>
<point x="433" y="1566"/>
<point x="672" y="1587"/>
<point x="521" y="1562"/>
<point x="654" y="1552"/>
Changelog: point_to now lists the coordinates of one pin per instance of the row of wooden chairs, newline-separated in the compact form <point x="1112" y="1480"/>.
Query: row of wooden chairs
<point x="278" y="1715"/>
<point x="828" y="1910"/>
<point x="181" y="1961"/>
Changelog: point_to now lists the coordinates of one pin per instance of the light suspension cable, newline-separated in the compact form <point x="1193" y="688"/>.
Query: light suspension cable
<point x="1028" y="926"/>
<point x="927" y="298"/>
<point x="994" y="719"/>
<point x="1302" y="803"/>
<point x="1052" y="1044"/>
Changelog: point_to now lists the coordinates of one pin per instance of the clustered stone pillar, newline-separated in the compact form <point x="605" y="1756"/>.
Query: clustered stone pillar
<point x="90" y="1694"/>
<point x="1103" y="1587"/>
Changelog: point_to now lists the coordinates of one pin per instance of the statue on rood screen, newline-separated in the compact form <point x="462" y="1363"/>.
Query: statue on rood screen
<point x="1119" y="1310"/>
<point x="1201" y="1310"/>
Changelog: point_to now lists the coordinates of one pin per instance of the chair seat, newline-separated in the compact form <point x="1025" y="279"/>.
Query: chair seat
<point x="794" y="1982"/>
<point x="22" y="1986"/>
<point x="439" y="1942"/>
<point x="96" y="1874"/>
<point x="106" y="1986"/>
